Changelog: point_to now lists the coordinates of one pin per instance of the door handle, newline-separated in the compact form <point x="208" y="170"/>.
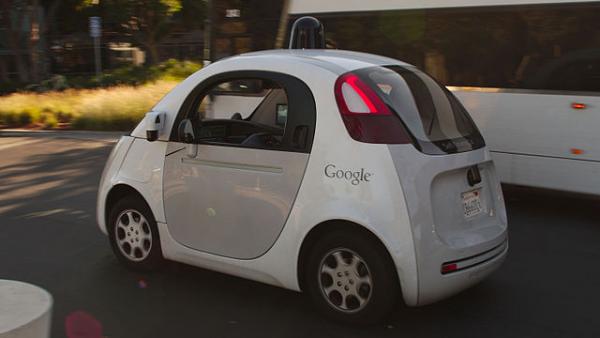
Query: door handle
<point x="191" y="150"/>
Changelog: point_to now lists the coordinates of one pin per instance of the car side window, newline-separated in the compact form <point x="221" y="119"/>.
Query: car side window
<point x="251" y="109"/>
<point x="243" y="112"/>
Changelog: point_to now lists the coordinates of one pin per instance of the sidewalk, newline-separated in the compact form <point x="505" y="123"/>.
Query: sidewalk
<point x="103" y="136"/>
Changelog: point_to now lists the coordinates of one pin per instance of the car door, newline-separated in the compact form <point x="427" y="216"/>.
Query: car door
<point x="231" y="191"/>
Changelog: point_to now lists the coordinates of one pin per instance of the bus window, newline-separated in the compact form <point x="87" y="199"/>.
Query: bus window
<point x="541" y="47"/>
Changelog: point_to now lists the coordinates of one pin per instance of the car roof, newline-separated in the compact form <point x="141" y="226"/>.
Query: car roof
<point x="334" y="60"/>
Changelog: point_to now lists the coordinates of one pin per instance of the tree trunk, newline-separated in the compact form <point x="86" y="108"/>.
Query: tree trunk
<point x="33" y="40"/>
<point x="153" y="51"/>
<point x="22" y="72"/>
<point x="152" y="47"/>
<point x="14" y="38"/>
<point x="3" y="71"/>
<point x="49" y="30"/>
<point x="50" y="22"/>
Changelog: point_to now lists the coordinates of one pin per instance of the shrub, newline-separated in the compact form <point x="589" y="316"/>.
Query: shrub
<point x="170" y="70"/>
<point x="115" y="108"/>
<point x="10" y="87"/>
<point x="9" y="118"/>
<point x="25" y="118"/>
<point x="173" y="70"/>
<point x="49" y="120"/>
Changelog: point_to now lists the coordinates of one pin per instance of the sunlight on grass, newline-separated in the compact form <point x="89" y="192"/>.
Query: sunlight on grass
<point x="114" y="108"/>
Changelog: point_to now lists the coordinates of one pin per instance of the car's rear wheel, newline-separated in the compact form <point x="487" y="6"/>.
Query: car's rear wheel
<point x="351" y="278"/>
<point x="133" y="234"/>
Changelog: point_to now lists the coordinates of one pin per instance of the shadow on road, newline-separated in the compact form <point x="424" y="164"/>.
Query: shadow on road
<point x="64" y="181"/>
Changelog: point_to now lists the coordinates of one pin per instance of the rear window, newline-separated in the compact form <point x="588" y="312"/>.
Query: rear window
<point x="436" y="120"/>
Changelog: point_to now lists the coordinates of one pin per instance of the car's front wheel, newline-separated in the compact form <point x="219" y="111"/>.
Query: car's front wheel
<point x="350" y="278"/>
<point x="133" y="234"/>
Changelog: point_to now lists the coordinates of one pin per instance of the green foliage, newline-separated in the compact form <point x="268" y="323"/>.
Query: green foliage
<point x="115" y="108"/>
<point x="49" y="121"/>
<point x="171" y="70"/>
<point x="174" y="70"/>
<point x="29" y="115"/>
<point x="146" y="21"/>
<point x="19" y="118"/>
<point x="172" y="6"/>
<point x="168" y="7"/>
<point x="56" y="82"/>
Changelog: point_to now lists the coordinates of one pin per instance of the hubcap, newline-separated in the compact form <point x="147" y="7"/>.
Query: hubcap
<point x="345" y="280"/>
<point x="133" y="235"/>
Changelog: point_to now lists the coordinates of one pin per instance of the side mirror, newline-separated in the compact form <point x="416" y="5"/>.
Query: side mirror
<point x="154" y="125"/>
<point x="188" y="131"/>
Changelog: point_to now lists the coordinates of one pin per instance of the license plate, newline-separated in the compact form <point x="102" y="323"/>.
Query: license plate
<point x="472" y="203"/>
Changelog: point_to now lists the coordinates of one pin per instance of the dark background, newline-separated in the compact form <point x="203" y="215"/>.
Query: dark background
<point x="540" y="47"/>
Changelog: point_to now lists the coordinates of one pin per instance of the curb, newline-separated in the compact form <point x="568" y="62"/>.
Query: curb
<point x="30" y="310"/>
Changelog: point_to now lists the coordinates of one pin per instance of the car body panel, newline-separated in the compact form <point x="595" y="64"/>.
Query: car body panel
<point x="208" y="196"/>
<point x="441" y="232"/>
<point x="141" y="170"/>
<point x="111" y="170"/>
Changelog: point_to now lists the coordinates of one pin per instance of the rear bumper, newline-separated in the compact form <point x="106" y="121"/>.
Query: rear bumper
<point x="472" y="261"/>
<point x="435" y="285"/>
<point x="441" y="233"/>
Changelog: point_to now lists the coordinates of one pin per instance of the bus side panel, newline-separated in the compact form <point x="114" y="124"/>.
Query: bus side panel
<point x="539" y="139"/>
<point x="548" y="173"/>
<point x="536" y="124"/>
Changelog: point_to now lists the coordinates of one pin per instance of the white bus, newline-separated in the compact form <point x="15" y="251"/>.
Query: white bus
<point x="527" y="71"/>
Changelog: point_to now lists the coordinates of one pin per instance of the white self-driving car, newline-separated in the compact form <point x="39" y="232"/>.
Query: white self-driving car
<point x="352" y="177"/>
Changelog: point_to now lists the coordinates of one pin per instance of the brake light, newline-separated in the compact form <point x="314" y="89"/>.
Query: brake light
<point x="358" y="98"/>
<point x="449" y="267"/>
<point x="366" y="117"/>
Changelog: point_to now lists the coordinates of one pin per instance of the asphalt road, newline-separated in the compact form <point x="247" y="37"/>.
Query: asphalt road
<point x="549" y="285"/>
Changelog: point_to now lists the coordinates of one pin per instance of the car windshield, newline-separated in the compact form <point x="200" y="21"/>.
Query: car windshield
<point x="438" y="122"/>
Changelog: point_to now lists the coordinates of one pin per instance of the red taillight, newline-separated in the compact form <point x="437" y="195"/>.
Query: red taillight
<point x="577" y="105"/>
<point x="449" y="267"/>
<point x="355" y="97"/>
<point x="367" y="118"/>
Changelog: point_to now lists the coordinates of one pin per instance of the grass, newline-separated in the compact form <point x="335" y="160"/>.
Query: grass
<point x="115" y="100"/>
<point x="113" y="108"/>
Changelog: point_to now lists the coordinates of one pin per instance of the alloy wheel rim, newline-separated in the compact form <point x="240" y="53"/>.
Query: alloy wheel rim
<point x="133" y="235"/>
<point x="345" y="280"/>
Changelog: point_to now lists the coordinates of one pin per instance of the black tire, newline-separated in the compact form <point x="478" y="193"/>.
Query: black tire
<point x="382" y="284"/>
<point x="151" y="257"/>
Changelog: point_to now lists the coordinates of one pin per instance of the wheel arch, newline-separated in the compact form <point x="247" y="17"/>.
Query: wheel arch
<point x="311" y="238"/>
<point x="119" y="191"/>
